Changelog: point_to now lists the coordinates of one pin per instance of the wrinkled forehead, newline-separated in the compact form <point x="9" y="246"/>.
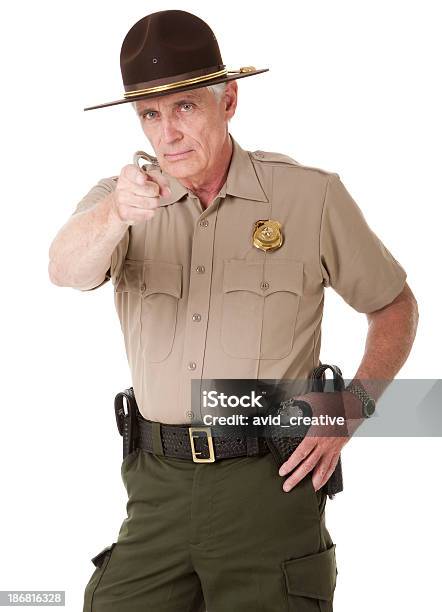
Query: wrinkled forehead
<point x="172" y="99"/>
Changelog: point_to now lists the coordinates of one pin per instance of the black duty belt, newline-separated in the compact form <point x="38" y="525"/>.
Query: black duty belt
<point x="198" y="444"/>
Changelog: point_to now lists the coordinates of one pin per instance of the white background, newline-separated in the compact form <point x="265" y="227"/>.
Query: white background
<point x="353" y="88"/>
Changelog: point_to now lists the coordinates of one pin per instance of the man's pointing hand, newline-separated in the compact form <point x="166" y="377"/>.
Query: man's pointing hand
<point x="136" y="196"/>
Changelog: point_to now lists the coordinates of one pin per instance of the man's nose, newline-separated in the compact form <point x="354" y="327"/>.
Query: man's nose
<point x="170" y="130"/>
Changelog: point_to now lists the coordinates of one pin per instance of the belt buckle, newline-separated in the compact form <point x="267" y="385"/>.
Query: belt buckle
<point x="206" y="430"/>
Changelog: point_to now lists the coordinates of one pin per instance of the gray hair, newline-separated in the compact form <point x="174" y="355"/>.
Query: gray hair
<point x="218" y="89"/>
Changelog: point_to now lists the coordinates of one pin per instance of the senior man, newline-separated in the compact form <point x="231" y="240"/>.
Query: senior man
<point x="219" y="258"/>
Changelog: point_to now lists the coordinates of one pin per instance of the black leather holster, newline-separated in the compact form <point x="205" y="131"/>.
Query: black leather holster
<point x="282" y="446"/>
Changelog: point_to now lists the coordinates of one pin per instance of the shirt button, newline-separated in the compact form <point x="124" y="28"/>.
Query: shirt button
<point x="196" y="317"/>
<point x="200" y="269"/>
<point x="143" y="287"/>
<point x="265" y="285"/>
<point x="191" y="365"/>
<point x="204" y="223"/>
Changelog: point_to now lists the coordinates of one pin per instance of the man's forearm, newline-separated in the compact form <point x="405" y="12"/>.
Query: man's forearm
<point x="391" y="333"/>
<point x="81" y="252"/>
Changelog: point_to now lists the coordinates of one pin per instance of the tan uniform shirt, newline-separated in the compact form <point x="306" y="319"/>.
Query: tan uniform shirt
<point x="197" y="300"/>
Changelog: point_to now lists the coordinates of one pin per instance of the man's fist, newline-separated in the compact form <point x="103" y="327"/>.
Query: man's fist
<point x="136" y="196"/>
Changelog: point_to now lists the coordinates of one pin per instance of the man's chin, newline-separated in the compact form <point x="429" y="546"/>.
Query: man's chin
<point x="179" y="168"/>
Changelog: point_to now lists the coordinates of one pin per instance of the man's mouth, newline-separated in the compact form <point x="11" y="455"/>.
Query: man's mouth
<point x="177" y="155"/>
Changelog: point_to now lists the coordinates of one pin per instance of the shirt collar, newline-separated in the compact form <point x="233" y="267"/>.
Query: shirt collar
<point x="241" y="181"/>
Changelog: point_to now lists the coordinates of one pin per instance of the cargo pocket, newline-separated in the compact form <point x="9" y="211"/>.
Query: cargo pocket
<point x="260" y="307"/>
<point x="311" y="581"/>
<point x="148" y="306"/>
<point x="100" y="561"/>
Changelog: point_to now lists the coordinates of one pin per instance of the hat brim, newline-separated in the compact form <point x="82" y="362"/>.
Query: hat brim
<point x="230" y="77"/>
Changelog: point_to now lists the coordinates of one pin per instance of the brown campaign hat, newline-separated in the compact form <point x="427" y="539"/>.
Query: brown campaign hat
<point x="171" y="51"/>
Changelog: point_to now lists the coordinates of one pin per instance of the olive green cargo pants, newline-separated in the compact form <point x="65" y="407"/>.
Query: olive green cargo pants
<point x="215" y="537"/>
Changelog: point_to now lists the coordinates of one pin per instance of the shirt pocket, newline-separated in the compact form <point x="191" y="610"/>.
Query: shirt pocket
<point x="260" y="307"/>
<point x="152" y="290"/>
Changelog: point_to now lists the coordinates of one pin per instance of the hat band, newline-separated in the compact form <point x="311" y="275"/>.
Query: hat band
<point x="191" y="81"/>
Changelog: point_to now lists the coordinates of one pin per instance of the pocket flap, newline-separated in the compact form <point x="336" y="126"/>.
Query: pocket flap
<point x="313" y="576"/>
<point x="146" y="277"/>
<point x="131" y="277"/>
<point x="263" y="278"/>
<point x="163" y="277"/>
<point x="98" y="559"/>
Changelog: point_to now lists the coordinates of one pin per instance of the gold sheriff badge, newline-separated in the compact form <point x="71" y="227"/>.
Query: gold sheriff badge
<point x="267" y="234"/>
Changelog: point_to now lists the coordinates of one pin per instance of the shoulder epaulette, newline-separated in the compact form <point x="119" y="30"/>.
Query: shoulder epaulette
<point x="269" y="156"/>
<point x="280" y="158"/>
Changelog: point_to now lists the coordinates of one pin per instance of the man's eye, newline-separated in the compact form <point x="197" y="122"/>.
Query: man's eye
<point x="187" y="106"/>
<point x="149" y="114"/>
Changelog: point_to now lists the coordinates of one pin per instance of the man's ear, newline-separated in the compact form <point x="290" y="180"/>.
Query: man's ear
<point x="231" y="98"/>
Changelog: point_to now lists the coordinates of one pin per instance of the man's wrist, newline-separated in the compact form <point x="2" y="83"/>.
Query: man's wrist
<point x="114" y="218"/>
<point x="352" y="405"/>
<point x="367" y="404"/>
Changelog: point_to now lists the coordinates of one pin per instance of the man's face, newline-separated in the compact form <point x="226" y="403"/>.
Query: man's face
<point x="187" y="130"/>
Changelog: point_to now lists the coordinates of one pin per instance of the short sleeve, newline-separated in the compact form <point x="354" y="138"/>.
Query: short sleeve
<point x="353" y="259"/>
<point x="98" y="192"/>
<point x="102" y="189"/>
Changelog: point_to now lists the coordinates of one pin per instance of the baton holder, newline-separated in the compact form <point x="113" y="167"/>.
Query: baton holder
<point x="126" y="411"/>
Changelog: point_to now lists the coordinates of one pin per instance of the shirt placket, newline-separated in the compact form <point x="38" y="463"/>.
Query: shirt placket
<point x="200" y="280"/>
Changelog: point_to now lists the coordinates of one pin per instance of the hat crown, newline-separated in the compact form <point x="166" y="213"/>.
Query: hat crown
<point x="165" y="44"/>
